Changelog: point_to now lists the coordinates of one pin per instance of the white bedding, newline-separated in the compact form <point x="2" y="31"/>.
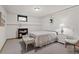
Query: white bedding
<point x="43" y="37"/>
<point x="41" y="32"/>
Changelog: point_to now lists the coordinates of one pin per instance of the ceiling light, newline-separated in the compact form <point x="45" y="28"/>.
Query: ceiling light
<point x="36" y="9"/>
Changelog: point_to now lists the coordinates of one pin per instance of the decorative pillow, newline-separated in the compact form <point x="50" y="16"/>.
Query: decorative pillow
<point x="70" y="37"/>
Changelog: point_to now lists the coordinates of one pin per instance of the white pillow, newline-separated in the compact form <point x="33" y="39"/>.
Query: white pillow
<point x="70" y="37"/>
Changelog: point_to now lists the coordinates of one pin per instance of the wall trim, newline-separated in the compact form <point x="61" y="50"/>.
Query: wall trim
<point x="11" y="38"/>
<point x="62" y="10"/>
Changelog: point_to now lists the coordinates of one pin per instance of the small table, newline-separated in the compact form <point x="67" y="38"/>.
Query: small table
<point x="28" y="40"/>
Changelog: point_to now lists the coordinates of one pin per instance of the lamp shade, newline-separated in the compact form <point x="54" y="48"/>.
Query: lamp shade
<point x="62" y="25"/>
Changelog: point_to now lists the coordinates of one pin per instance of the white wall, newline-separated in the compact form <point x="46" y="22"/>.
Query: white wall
<point x="69" y="17"/>
<point x="2" y="28"/>
<point x="12" y="25"/>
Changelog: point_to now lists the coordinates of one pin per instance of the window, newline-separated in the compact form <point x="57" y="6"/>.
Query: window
<point x="22" y="18"/>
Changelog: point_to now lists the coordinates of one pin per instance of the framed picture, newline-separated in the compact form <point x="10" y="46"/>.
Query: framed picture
<point x="51" y="20"/>
<point x="22" y="18"/>
<point x="2" y="21"/>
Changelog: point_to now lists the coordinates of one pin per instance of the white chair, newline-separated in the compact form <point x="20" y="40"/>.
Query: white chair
<point x="28" y="40"/>
<point x="71" y="40"/>
<point x="76" y="47"/>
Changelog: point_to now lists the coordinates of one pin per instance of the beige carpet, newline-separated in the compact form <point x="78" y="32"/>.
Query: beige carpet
<point x="13" y="47"/>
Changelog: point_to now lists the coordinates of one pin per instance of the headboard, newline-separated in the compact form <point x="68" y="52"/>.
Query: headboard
<point x="22" y="31"/>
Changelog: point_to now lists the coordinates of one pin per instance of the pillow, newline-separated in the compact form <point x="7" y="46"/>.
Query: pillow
<point x="70" y="37"/>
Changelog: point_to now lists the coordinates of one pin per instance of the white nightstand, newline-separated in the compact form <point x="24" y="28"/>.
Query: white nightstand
<point x="61" y="38"/>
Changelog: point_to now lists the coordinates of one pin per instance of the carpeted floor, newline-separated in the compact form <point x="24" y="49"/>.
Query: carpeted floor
<point x="15" y="46"/>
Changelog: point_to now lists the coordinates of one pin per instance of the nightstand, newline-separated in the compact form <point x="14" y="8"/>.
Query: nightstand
<point x="61" y="38"/>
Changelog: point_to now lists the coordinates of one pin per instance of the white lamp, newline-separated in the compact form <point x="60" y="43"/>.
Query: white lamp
<point x="61" y="26"/>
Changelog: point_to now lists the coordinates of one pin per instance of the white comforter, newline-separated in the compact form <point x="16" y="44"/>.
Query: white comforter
<point x="43" y="37"/>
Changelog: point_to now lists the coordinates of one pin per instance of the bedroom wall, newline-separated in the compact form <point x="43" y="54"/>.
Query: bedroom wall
<point x="2" y="28"/>
<point x="12" y="25"/>
<point x="68" y="17"/>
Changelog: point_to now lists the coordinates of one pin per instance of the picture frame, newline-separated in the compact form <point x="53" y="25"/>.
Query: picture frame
<point x="22" y="18"/>
<point x="2" y="21"/>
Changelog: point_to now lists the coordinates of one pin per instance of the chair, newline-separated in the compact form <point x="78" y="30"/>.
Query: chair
<point x="76" y="46"/>
<point x="71" y="41"/>
<point x="28" y="40"/>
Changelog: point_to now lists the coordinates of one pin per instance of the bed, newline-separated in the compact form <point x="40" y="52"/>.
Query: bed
<point x="43" y="37"/>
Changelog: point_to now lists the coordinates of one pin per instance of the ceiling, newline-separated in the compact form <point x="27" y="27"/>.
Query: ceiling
<point x="29" y="9"/>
